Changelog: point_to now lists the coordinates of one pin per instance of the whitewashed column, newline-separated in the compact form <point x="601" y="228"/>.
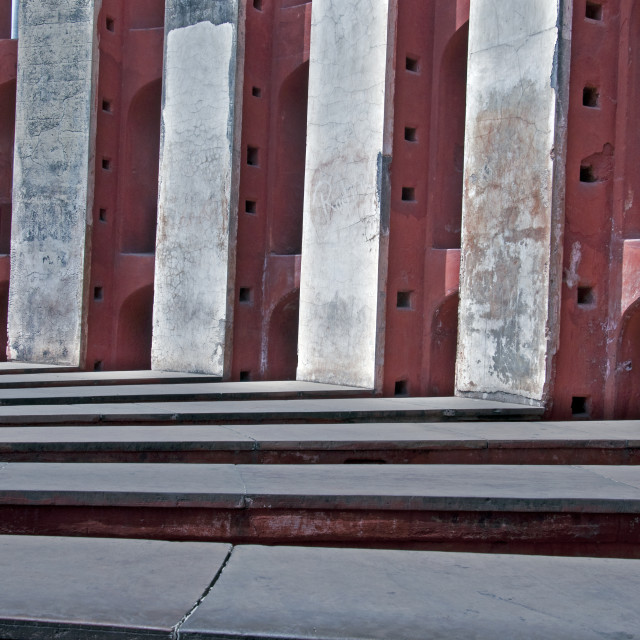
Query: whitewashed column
<point x="346" y="206"/>
<point x="52" y="179"/>
<point x="513" y="203"/>
<point x="198" y="190"/>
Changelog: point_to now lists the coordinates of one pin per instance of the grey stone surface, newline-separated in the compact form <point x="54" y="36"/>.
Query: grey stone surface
<point x="346" y="202"/>
<point x="52" y="179"/>
<point x="81" y="588"/>
<point x="513" y="200"/>
<point x="15" y="367"/>
<point x="330" y="594"/>
<point x="355" y="487"/>
<point x="198" y="186"/>
<point x="352" y="409"/>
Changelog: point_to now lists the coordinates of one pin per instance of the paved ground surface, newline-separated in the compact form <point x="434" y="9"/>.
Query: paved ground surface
<point x="98" y="589"/>
<point x="265" y="411"/>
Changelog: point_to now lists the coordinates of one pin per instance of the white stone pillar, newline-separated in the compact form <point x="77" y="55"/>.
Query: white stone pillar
<point x="199" y="175"/>
<point x="513" y="203"/>
<point x="52" y="179"/>
<point x="346" y="203"/>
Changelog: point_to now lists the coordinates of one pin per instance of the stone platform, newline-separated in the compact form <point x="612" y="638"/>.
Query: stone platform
<point x="100" y="589"/>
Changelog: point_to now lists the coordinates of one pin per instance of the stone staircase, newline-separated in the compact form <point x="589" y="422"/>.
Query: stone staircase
<point x="409" y="504"/>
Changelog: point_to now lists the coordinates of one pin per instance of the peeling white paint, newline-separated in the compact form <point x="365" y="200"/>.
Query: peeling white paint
<point x="196" y="204"/>
<point x="52" y="179"/>
<point x="344" y="233"/>
<point x="571" y="274"/>
<point x="513" y="192"/>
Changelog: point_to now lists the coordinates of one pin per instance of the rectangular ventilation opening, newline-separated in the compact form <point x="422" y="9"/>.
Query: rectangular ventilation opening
<point x="411" y="64"/>
<point x="587" y="174"/>
<point x="97" y="365"/>
<point x="106" y="164"/>
<point x="251" y="206"/>
<point x="252" y="156"/>
<point x="593" y="11"/>
<point x="98" y="293"/>
<point x="403" y="300"/>
<point x="401" y="388"/>
<point x="580" y="406"/>
<point x="257" y="4"/>
<point x="244" y="295"/>
<point x="408" y="194"/>
<point x="106" y="106"/>
<point x="590" y="97"/>
<point x="110" y="24"/>
<point x="256" y="92"/>
<point x="586" y="296"/>
<point x="411" y="134"/>
<point x="245" y="376"/>
<point x="102" y="215"/>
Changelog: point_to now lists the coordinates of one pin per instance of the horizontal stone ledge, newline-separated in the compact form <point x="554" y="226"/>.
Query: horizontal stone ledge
<point x="98" y="589"/>
<point x="391" y="443"/>
<point x="265" y="411"/>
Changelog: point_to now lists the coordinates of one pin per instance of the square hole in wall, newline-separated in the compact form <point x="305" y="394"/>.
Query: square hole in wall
<point x="586" y="296"/>
<point x="107" y="107"/>
<point x="252" y="156"/>
<point x="587" y="174"/>
<point x="590" y="97"/>
<point x="256" y="92"/>
<point x="97" y="365"/>
<point x="401" y="388"/>
<point x="580" y="406"/>
<point x="110" y="24"/>
<point x="411" y="134"/>
<point x="403" y="300"/>
<point x="245" y="376"/>
<point x="102" y="215"/>
<point x="251" y="206"/>
<point x="244" y="295"/>
<point x="408" y="194"/>
<point x="257" y="4"/>
<point x="411" y="64"/>
<point x="106" y="164"/>
<point x="593" y="11"/>
<point x="98" y="293"/>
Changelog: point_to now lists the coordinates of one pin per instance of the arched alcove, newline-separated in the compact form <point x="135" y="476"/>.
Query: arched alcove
<point x="447" y="212"/>
<point x="7" y="127"/>
<point x="285" y="223"/>
<point x="444" y="336"/>
<point x="140" y="171"/>
<point x="282" y="350"/>
<point x="628" y="365"/>
<point x="133" y="347"/>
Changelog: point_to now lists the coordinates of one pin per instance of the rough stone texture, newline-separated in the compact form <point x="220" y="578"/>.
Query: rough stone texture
<point x="198" y="184"/>
<point x="363" y="594"/>
<point x="53" y="179"/>
<point x="517" y="96"/>
<point x="82" y="588"/>
<point x="345" y="231"/>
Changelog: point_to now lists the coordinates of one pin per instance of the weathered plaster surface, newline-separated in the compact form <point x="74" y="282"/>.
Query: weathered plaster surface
<point x="346" y="189"/>
<point x="513" y="196"/>
<point x="53" y="179"/>
<point x="195" y="253"/>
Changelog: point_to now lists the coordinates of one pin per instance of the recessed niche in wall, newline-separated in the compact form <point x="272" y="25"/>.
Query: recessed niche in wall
<point x="244" y="295"/>
<point x="586" y="296"/>
<point x="403" y="300"/>
<point x="411" y="64"/>
<point x="252" y="156"/>
<point x="411" y="134"/>
<point x="256" y="92"/>
<point x="102" y="215"/>
<point x="110" y="24"/>
<point x="593" y="11"/>
<point x="245" y="376"/>
<point x="587" y="174"/>
<point x="408" y="194"/>
<point x="98" y="293"/>
<point x="257" y="4"/>
<point x="106" y="164"/>
<point x="97" y="365"/>
<point x="107" y="107"/>
<point x="251" y="206"/>
<point x="401" y="388"/>
<point x="580" y="406"/>
<point x="590" y="97"/>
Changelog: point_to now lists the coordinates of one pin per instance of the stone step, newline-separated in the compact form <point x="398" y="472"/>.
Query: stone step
<point x="596" y="442"/>
<point x="566" y="510"/>
<point x="184" y="392"/>
<point x="21" y="368"/>
<point x="100" y="589"/>
<point x="99" y="378"/>
<point x="310" y="410"/>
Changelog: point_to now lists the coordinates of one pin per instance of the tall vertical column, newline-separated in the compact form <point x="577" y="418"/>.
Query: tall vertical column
<point x="346" y="206"/>
<point x="52" y="179"/>
<point x="199" y="172"/>
<point x="513" y="202"/>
